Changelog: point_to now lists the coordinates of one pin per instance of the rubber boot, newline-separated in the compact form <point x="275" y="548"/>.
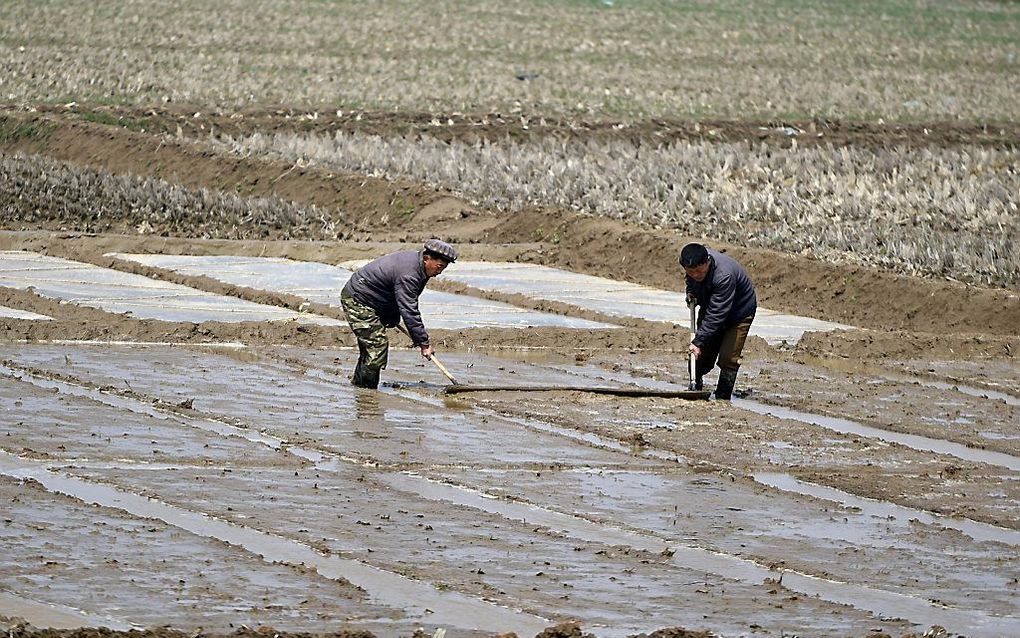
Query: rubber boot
<point x="365" y="378"/>
<point x="724" y="389"/>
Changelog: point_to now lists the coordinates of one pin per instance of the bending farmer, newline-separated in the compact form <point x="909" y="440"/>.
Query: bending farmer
<point x="382" y="293"/>
<point x="725" y="293"/>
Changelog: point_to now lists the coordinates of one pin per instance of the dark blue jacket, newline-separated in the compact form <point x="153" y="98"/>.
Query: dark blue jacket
<point x="391" y="286"/>
<point x="726" y="297"/>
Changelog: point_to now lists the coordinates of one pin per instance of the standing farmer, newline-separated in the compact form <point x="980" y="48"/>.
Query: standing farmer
<point x="725" y="293"/>
<point x="382" y="293"/>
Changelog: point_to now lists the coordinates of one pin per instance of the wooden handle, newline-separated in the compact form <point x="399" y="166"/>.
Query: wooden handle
<point x="443" y="369"/>
<point x="692" y="365"/>
<point x="432" y="358"/>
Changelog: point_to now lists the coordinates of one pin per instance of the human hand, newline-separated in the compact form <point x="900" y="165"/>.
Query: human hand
<point x="427" y="351"/>
<point x="695" y="350"/>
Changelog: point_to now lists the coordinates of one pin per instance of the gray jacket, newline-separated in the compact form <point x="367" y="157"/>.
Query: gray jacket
<point x="726" y="297"/>
<point x="391" y="286"/>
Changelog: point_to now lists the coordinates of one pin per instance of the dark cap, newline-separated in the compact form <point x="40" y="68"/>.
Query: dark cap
<point x="441" y="249"/>
<point x="693" y="255"/>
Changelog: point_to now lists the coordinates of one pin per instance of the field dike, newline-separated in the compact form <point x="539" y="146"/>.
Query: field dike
<point x="359" y="208"/>
<point x="225" y="479"/>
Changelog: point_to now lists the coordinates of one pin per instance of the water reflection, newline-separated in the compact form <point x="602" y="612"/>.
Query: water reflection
<point x="366" y="405"/>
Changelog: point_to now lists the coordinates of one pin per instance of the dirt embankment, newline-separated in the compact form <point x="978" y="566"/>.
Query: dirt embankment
<point x="863" y="297"/>
<point x="198" y="121"/>
<point x="73" y="321"/>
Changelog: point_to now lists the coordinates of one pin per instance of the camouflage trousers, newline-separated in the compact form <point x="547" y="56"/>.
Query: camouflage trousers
<point x="373" y="344"/>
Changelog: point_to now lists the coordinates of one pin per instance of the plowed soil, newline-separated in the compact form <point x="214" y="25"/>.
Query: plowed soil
<point x="932" y="359"/>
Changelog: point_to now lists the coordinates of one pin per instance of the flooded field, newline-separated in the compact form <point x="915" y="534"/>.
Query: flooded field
<point x="185" y="188"/>
<point x="209" y="487"/>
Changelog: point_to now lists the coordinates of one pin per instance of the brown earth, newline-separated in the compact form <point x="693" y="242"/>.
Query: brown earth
<point x="565" y="630"/>
<point x="194" y="121"/>
<point x="903" y="322"/>
<point x="789" y="283"/>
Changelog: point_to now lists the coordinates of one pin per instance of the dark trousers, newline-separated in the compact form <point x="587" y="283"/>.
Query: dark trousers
<point x="725" y="350"/>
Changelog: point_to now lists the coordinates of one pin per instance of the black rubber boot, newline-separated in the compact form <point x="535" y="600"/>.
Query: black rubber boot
<point x="724" y="389"/>
<point x="365" y="378"/>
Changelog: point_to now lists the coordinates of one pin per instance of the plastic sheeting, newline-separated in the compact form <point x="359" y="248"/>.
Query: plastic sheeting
<point x="14" y="313"/>
<point x="322" y="283"/>
<point x="141" y="297"/>
<point x="613" y="298"/>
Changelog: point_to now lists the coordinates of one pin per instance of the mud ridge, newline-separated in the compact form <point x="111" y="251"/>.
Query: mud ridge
<point x="788" y="283"/>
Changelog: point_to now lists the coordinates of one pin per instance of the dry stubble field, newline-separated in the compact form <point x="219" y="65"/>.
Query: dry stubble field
<point x="216" y="477"/>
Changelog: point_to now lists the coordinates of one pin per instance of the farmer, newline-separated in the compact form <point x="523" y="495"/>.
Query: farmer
<point x="725" y="293"/>
<point x="382" y="293"/>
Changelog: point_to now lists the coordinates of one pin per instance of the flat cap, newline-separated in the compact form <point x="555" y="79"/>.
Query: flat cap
<point x="441" y="249"/>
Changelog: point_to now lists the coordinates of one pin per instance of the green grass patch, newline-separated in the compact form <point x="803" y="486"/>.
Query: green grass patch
<point x="101" y="117"/>
<point x="14" y="130"/>
<point x="402" y="208"/>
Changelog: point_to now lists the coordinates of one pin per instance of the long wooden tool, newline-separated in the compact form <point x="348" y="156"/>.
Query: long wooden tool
<point x="432" y="358"/>
<point x="623" y="392"/>
<point x="692" y="366"/>
<point x="443" y="369"/>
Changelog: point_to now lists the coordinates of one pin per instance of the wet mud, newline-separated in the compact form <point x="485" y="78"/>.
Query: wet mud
<point x="561" y="506"/>
<point x="213" y="477"/>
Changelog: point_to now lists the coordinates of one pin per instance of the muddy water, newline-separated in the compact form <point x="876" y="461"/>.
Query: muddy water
<point x="846" y="426"/>
<point x="836" y="389"/>
<point x="55" y="616"/>
<point x="888" y="511"/>
<point x="606" y="489"/>
<point x="373" y="426"/>
<point x="95" y="432"/>
<point x="133" y="571"/>
<point x="455" y="547"/>
<point x="992" y="380"/>
<point x="683" y="553"/>
<point x="383" y="587"/>
<point x="1000" y="379"/>
<point x="898" y="405"/>
<point x="745" y="521"/>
